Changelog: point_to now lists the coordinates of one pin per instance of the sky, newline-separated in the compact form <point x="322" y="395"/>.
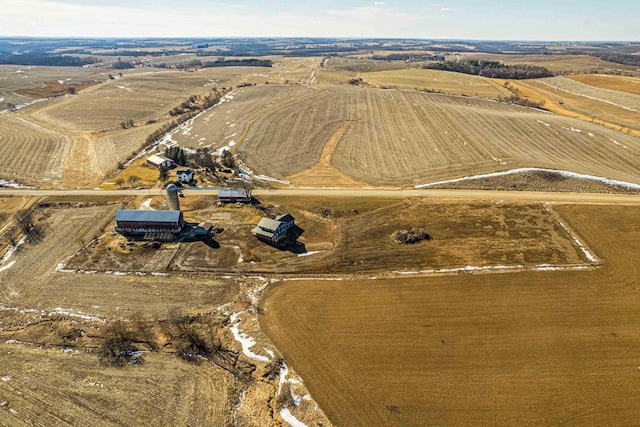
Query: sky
<point x="460" y="19"/>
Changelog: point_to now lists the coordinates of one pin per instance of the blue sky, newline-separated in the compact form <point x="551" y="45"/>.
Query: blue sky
<point x="461" y="19"/>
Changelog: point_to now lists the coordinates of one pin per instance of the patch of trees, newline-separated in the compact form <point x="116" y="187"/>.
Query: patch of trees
<point x="493" y="69"/>
<point x="407" y="57"/>
<point x="238" y="63"/>
<point x="412" y="236"/>
<point x="619" y="58"/>
<point x="176" y="154"/>
<point x="227" y="159"/>
<point x="126" y="124"/>
<point x="44" y="59"/>
<point x="356" y="82"/>
<point x="515" y="99"/>
<point x="118" y="347"/>
<point x="122" y="65"/>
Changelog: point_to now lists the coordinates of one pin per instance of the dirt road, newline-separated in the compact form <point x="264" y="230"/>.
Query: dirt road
<point x="528" y="196"/>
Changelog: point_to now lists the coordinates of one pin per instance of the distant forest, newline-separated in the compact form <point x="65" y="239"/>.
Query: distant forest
<point x="44" y="59"/>
<point x="492" y="69"/>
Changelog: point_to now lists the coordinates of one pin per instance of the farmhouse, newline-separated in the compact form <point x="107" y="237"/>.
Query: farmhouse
<point x="185" y="176"/>
<point x="160" y="162"/>
<point x="152" y="225"/>
<point x="274" y="231"/>
<point x="233" y="195"/>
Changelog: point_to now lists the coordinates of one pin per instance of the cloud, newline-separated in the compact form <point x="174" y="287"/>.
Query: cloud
<point x="378" y="3"/>
<point x="446" y="10"/>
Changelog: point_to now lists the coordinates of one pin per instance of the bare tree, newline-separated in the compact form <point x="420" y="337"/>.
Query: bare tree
<point x="133" y="180"/>
<point x="119" y="182"/>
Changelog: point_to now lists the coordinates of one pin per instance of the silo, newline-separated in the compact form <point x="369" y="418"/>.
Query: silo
<point x="172" y="197"/>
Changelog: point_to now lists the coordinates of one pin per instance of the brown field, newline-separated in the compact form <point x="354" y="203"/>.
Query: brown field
<point x="50" y="387"/>
<point x="116" y="146"/>
<point x="230" y="121"/>
<point x="356" y="65"/>
<point x="401" y="138"/>
<point x="438" y="81"/>
<point x="541" y="348"/>
<point x="604" y="81"/>
<point x="34" y="283"/>
<point x="571" y="64"/>
<point x="537" y="181"/>
<point x="29" y="152"/>
<point x="16" y="81"/>
<point x="139" y="97"/>
<point x="601" y="109"/>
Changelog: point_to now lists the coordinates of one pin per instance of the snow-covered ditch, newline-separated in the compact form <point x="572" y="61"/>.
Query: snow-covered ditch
<point x="567" y="174"/>
<point x="245" y="340"/>
<point x="4" y="262"/>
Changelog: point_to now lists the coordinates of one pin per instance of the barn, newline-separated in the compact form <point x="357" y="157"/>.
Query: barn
<point x="233" y="195"/>
<point x="160" y="162"/>
<point x="152" y="225"/>
<point x="274" y="231"/>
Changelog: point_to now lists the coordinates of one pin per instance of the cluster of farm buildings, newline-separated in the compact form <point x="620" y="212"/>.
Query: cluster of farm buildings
<point x="170" y="225"/>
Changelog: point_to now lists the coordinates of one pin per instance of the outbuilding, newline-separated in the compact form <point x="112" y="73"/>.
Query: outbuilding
<point x="234" y="195"/>
<point x="160" y="162"/>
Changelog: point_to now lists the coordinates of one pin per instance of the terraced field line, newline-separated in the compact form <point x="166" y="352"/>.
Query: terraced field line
<point x="529" y="92"/>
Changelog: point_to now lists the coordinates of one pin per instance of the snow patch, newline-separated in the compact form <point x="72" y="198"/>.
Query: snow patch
<point x="77" y="314"/>
<point x="245" y="340"/>
<point x="288" y="417"/>
<point x="5" y="378"/>
<point x="310" y="253"/>
<point x="271" y="179"/>
<point x="146" y="205"/>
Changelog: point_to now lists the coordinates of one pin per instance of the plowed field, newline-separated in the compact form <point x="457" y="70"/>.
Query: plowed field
<point x="29" y="152"/>
<point x="401" y="138"/>
<point x="533" y="348"/>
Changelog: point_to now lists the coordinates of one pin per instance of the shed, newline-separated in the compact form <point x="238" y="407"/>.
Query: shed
<point x="160" y="162"/>
<point x="233" y="195"/>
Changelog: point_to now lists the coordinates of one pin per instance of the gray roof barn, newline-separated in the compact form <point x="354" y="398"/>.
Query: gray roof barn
<point x="147" y="216"/>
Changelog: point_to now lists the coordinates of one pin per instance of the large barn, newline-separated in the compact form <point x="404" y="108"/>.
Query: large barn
<point x="153" y="225"/>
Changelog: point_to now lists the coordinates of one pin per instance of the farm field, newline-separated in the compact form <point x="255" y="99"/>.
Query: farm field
<point x="436" y="80"/>
<point x="15" y="79"/>
<point x="604" y="81"/>
<point x="431" y="137"/>
<point x="611" y="107"/>
<point x="33" y="281"/>
<point x="534" y="348"/>
<point x="138" y="97"/>
<point x="572" y="64"/>
<point x="228" y="123"/>
<point x="54" y="387"/>
<point x="29" y="152"/>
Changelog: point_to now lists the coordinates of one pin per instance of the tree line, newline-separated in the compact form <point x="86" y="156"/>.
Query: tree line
<point x="493" y="69"/>
<point x="44" y="59"/>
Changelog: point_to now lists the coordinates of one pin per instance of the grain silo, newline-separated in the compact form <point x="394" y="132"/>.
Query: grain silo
<point x="172" y="197"/>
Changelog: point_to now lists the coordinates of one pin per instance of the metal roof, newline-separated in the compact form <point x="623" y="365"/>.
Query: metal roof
<point x="232" y="192"/>
<point x="147" y="216"/>
<point x="157" y="159"/>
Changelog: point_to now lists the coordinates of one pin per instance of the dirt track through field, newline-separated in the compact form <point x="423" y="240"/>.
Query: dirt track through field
<point x="324" y="171"/>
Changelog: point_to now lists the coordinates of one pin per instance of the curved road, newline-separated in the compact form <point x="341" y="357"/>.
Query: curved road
<point x="440" y="195"/>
